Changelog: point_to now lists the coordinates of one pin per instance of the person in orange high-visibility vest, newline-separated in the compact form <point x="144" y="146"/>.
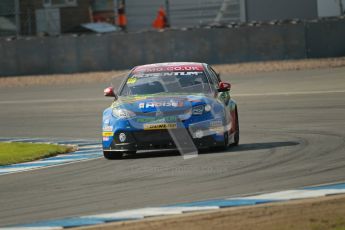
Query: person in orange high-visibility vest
<point x="121" y="16"/>
<point x="161" y="20"/>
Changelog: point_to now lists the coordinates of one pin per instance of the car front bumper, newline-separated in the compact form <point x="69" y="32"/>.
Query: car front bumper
<point x="161" y="139"/>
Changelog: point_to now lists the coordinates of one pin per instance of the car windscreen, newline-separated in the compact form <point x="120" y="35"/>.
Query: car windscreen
<point x="166" y="82"/>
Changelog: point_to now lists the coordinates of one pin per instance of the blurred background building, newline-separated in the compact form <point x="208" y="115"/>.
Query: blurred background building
<point x="53" y="17"/>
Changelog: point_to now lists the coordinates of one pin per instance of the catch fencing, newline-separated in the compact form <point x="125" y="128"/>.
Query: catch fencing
<point x="99" y="52"/>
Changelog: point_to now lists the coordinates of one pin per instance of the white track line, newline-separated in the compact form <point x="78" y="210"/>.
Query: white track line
<point x="50" y="166"/>
<point x="150" y="212"/>
<point x="51" y="100"/>
<point x="294" y="194"/>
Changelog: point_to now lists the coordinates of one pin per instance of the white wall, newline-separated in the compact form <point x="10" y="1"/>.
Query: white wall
<point x="328" y="8"/>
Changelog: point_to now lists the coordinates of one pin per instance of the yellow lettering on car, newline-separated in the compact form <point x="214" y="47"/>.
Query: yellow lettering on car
<point x="131" y="80"/>
<point x="160" y="126"/>
<point x="108" y="134"/>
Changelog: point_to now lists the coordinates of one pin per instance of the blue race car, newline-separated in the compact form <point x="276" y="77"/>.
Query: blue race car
<point x="180" y="105"/>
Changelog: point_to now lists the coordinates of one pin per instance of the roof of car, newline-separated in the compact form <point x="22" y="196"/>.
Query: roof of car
<point x="169" y="66"/>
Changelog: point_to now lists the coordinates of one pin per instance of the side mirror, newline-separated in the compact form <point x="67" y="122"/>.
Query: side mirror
<point x="109" y="92"/>
<point x="224" y="87"/>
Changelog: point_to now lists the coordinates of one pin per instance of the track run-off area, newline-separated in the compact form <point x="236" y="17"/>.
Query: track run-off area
<point x="292" y="135"/>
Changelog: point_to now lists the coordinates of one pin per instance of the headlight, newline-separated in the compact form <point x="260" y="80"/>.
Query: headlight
<point x="123" y="113"/>
<point x="208" y="108"/>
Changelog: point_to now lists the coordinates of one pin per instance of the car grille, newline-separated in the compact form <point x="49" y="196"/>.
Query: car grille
<point x="149" y="135"/>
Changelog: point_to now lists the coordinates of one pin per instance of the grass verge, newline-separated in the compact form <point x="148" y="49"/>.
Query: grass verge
<point x="12" y="153"/>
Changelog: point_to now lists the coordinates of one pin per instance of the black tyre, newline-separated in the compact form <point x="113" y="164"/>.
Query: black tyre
<point x="111" y="155"/>
<point x="237" y="134"/>
<point x="224" y="146"/>
<point x="226" y="141"/>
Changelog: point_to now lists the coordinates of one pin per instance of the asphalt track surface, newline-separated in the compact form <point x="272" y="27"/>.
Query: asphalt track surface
<point x="292" y="135"/>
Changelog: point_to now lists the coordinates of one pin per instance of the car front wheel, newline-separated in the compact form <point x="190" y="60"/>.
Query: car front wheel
<point x="111" y="155"/>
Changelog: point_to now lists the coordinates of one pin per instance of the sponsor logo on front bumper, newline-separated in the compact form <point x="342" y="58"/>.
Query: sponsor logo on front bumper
<point x="160" y="126"/>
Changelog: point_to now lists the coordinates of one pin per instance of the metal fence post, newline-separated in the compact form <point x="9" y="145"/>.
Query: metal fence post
<point x="341" y="7"/>
<point x="17" y="16"/>
<point x="167" y="8"/>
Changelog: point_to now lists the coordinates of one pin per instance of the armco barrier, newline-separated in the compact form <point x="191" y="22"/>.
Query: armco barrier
<point x="93" y="52"/>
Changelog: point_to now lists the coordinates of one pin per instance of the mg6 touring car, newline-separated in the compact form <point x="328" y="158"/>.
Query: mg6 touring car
<point x="180" y="105"/>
